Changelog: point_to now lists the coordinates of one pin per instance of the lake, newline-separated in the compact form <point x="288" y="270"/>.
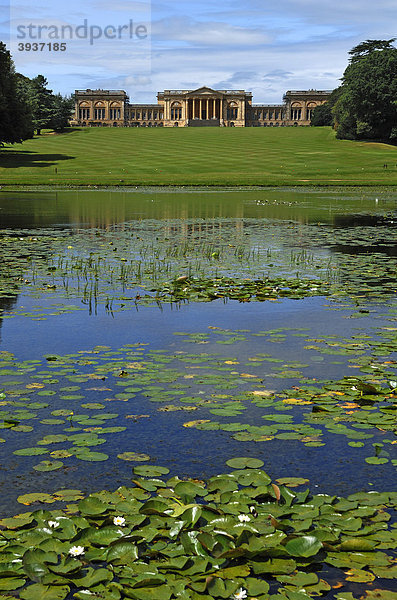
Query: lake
<point x="184" y="327"/>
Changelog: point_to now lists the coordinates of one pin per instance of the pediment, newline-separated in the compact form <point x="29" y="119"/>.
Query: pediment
<point x="204" y="91"/>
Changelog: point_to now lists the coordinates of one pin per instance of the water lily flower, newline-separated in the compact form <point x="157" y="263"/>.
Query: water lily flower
<point x="47" y="531"/>
<point x="240" y="595"/>
<point x="86" y="592"/>
<point x="76" y="551"/>
<point x="244" y="518"/>
<point x="120" y="521"/>
<point x="393" y="384"/>
<point x="53" y="524"/>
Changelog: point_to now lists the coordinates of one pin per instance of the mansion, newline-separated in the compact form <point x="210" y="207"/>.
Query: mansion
<point x="203" y="107"/>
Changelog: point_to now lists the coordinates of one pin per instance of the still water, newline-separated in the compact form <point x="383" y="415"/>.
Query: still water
<point x="96" y="352"/>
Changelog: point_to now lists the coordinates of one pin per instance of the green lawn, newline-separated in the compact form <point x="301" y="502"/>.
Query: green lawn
<point x="197" y="156"/>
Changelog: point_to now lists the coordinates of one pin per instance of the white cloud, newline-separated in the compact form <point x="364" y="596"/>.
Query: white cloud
<point x="213" y="33"/>
<point x="259" y="45"/>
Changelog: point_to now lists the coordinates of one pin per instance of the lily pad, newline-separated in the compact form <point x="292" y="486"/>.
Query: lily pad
<point x="245" y="462"/>
<point x="48" y="465"/>
<point x="150" y="471"/>
<point x="133" y="456"/>
<point x="30" y="451"/>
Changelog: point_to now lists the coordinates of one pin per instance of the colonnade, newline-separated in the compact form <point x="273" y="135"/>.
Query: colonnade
<point x="204" y="108"/>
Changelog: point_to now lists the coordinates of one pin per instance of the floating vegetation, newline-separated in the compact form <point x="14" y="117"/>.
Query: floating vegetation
<point x="92" y="398"/>
<point x="318" y="399"/>
<point x="181" y="260"/>
<point x="236" y="535"/>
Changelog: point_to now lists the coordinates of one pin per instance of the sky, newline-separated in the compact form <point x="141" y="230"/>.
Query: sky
<point x="263" y="46"/>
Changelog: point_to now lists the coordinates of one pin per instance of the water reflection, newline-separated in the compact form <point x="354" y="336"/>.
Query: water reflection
<point x="7" y="304"/>
<point x="104" y="209"/>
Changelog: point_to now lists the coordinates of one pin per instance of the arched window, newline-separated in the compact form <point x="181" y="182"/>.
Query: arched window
<point x="176" y="111"/>
<point x="84" y="111"/>
<point x="232" y="111"/>
<point x="296" y="112"/>
<point x="309" y="110"/>
<point x="114" y="111"/>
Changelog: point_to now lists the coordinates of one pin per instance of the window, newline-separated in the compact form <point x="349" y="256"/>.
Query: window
<point x="232" y="112"/>
<point x="115" y="113"/>
<point x="176" y="113"/>
<point x="296" y="114"/>
<point x="84" y="113"/>
<point x="99" y="113"/>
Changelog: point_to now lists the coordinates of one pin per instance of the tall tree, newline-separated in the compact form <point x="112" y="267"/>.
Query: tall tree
<point x="25" y="118"/>
<point x="14" y="127"/>
<point x="366" y="108"/>
<point x="43" y="103"/>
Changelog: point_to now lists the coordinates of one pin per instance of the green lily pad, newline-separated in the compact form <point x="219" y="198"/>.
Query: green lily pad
<point x="31" y="451"/>
<point x="245" y="462"/>
<point x="91" y="456"/>
<point x="150" y="471"/>
<point x="306" y="546"/>
<point x="376" y="460"/>
<point x="34" y="497"/>
<point x="48" y="465"/>
<point x="133" y="456"/>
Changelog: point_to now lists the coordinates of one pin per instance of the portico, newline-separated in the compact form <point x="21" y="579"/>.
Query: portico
<point x="204" y="107"/>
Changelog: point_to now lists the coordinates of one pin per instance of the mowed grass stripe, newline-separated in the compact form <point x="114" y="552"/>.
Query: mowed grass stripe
<point x="197" y="156"/>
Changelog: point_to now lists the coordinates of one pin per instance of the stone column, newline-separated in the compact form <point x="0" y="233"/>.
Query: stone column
<point x="214" y="107"/>
<point x="200" y="109"/>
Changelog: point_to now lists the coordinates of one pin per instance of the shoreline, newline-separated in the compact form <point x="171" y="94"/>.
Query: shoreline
<point x="190" y="187"/>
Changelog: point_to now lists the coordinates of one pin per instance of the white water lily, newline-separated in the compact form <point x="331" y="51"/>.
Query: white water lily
<point x="53" y="524"/>
<point x="47" y="531"/>
<point x="393" y="384"/>
<point x="244" y="518"/>
<point x="119" y="521"/>
<point x="241" y="594"/>
<point x="76" y="551"/>
<point x="86" y="592"/>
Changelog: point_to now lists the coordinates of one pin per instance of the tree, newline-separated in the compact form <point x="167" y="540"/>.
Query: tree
<point x="366" y="108"/>
<point x="323" y="114"/>
<point x="14" y="126"/>
<point x="61" y="113"/>
<point x="43" y="103"/>
<point x="24" y="93"/>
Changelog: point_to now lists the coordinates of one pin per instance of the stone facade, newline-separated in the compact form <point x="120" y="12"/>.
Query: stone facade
<point x="203" y="107"/>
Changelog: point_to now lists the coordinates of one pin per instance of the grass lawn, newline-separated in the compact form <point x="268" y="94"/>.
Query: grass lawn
<point x="197" y="156"/>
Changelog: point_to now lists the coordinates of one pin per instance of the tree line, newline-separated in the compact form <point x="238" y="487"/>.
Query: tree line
<point x="26" y="105"/>
<point x="364" y="106"/>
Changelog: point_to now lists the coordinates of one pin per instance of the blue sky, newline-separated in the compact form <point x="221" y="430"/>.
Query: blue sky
<point x="263" y="46"/>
